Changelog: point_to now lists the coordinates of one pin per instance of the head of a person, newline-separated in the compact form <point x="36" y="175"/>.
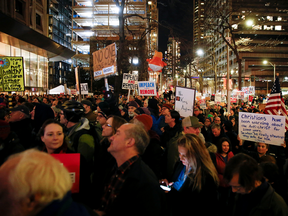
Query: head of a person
<point x="262" y="148"/>
<point x="46" y="100"/>
<point x="145" y="104"/>
<point x="166" y="108"/>
<point x="73" y="111"/>
<point x="242" y="173"/>
<point x="224" y="146"/>
<point x="191" y="125"/>
<point x="19" y="113"/>
<point x="129" y="139"/>
<point x="216" y="130"/>
<point x="87" y="104"/>
<point x="101" y="118"/>
<point x="193" y="153"/>
<point x="132" y="106"/>
<point x="207" y="122"/>
<point x="111" y="125"/>
<point x="52" y="135"/>
<point x="145" y="119"/>
<point x="196" y="111"/>
<point x="30" y="181"/>
<point x="217" y="120"/>
<point x="172" y="118"/>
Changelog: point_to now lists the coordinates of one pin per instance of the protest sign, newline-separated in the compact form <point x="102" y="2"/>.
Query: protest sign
<point x="104" y="62"/>
<point x="252" y="90"/>
<point x="202" y="104"/>
<point x="217" y="98"/>
<point x="269" y="129"/>
<point x="72" y="164"/>
<point x="73" y="91"/>
<point x="147" y="88"/>
<point x="84" y="88"/>
<point x="250" y="98"/>
<point x="184" y="101"/>
<point x="11" y="74"/>
<point x="129" y="81"/>
<point x="240" y="95"/>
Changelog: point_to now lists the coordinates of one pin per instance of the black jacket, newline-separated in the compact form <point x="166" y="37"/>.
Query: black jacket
<point x="23" y="129"/>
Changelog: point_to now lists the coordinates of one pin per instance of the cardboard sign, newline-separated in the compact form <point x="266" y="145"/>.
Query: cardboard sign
<point x="184" y="101"/>
<point x="263" y="128"/>
<point x="104" y="62"/>
<point x="147" y="88"/>
<point x="129" y="81"/>
<point x="11" y="74"/>
<point x="72" y="164"/>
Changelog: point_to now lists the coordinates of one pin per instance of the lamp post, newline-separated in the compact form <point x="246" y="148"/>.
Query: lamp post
<point x="273" y="65"/>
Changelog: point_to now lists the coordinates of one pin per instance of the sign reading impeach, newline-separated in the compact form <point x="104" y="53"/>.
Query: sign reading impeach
<point x="11" y="74"/>
<point x="147" y="88"/>
<point x="104" y="61"/>
<point x="129" y="81"/>
<point x="269" y="129"/>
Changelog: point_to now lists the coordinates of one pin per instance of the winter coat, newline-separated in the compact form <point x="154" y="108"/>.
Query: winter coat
<point x="220" y="166"/>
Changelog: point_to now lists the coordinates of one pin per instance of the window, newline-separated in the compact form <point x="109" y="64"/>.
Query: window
<point x="19" y="7"/>
<point x="38" y="20"/>
<point x="278" y="27"/>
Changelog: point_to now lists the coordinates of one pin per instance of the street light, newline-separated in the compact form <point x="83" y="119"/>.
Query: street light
<point x="274" y="66"/>
<point x="200" y="52"/>
<point x="249" y="22"/>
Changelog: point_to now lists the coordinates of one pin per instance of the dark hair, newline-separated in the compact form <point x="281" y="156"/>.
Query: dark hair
<point x="270" y="171"/>
<point x="219" y="144"/>
<point x="175" y="115"/>
<point x="247" y="168"/>
<point x="41" y="133"/>
<point x="116" y="122"/>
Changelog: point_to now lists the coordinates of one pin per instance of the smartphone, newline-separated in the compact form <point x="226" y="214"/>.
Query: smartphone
<point x="167" y="188"/>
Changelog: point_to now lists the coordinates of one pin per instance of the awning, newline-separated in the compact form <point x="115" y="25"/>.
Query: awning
<point x="15" y="30"/>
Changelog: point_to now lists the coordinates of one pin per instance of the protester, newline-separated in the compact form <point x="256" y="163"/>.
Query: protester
<point x="194" y="181"/>
<point x="88" y="113"/>
<point x="34" y="183"/>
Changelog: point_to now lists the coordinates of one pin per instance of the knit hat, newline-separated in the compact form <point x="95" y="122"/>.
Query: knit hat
<point x="168" y="106"/>
<point x="104" y="106"/>
<point x="87" y="102"/>
<point x="134" y="104"/>
<point x="102" y="113"/>
<point x="191" y="121"/>
<point x="4" y="129"/>
<point x="146" y="120"/>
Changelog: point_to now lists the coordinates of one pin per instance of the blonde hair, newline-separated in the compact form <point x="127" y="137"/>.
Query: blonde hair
<point x="39" y="173"/>
<point x="198" y="153"/>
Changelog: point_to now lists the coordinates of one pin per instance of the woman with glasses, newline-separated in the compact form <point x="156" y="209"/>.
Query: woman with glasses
<point x="103" y="160"/>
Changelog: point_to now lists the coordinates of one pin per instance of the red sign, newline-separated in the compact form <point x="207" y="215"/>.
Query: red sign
<point x="72" y="164"/>
<point x="233" y="100"/>
<point x="250" y="98"/>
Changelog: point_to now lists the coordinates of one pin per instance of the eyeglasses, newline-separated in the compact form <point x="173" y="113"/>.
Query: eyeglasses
<point x="107" y="125"/>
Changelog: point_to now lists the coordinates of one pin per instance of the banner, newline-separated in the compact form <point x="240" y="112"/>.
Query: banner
<point x="11" y="74"/>
<point x="104" y="62"/>
<point x="184" y="101"/>
<point x="147" y="88"/>
<point x="269" y="129"/>
<point x="72" y="164"/>
<point x="129" y="81"/>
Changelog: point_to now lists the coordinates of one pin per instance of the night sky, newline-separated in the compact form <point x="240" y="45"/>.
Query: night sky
<point x="176" y="16"/>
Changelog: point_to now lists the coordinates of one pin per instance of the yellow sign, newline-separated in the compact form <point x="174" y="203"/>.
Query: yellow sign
<point x="11" y="74"/>
<point x="104" y="61"/>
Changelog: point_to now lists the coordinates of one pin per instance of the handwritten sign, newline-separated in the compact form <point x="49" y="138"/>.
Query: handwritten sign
<point x="129" y="81"/>
<point x="72" y="164"/>
<point x="11" y="74"/>
<point x="202" y="103"/>
<point x="184" y="101"/>
<point x="269" y="129"/>
<point x="104" y="62"/>
<point x="147" y="88"/>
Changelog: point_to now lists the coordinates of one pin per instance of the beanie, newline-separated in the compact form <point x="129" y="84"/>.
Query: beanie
<point x="168" y="106"/>
<point x="134" y="104"/>
<point x="146" y="120"/>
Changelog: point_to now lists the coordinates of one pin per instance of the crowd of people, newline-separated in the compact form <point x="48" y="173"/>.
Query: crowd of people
<point x="138" y="156"/>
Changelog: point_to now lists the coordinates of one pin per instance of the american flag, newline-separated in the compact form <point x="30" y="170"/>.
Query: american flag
<point x="275" y="104"/>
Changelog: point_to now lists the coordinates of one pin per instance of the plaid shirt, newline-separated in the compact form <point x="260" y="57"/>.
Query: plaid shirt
<point x="116" y="183"/>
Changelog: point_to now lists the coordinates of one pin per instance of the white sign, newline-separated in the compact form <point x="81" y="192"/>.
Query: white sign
<point x="202" y="104"/>
<point x="129" y="81"/>
<point x="73" y="91"/>
<point x="218" y="98"/>
<point x="147" y="88"/>
<point x="269" y="129"/>
<point x="84" y="88"/>
<point x="184" y="101"/>
<point x="240" y="95"/>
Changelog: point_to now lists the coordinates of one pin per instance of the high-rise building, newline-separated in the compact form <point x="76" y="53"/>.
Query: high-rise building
<point x="172" y="57"/>
<point x="96" y="24"/>
<point x="24" y="32"/>
<point x="259" y="29"/>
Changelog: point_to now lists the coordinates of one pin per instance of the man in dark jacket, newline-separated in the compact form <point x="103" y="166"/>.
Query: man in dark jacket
<point x="255" y="196"/>
<point x="133" y="188"/>
<point x="20" y="123"/>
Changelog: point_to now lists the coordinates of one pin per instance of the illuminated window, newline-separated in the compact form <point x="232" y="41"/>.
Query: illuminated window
<point x="278" y="27"/>
<point x="270" y="18"/>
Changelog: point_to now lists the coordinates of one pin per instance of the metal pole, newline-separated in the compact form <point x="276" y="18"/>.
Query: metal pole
<point x="267" y="87"/>
<point x="274" y="71"/>
<point x="227" y="84"/>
